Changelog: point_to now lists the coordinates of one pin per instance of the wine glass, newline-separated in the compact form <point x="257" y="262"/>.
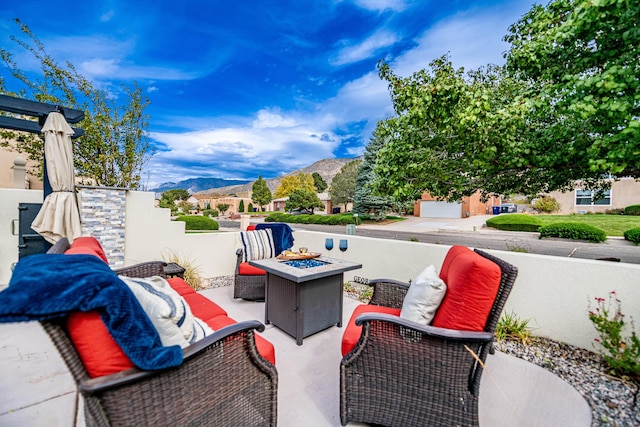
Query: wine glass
<point x="328" y="244"/>
<point x="343" y="246"/>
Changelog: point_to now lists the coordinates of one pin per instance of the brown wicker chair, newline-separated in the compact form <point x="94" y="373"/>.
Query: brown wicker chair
<point x="404" y="374"/>
<point x="223" y="380"/>
<point x="248" y="287"/>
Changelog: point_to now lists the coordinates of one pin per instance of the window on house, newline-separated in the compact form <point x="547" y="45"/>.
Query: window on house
<point x="586" y="197"/>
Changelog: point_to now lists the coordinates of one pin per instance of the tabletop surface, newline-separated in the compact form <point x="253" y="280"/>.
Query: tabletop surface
<point x="278" y="267"/>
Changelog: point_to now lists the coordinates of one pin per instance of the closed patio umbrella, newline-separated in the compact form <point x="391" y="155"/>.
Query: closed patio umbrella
<point x="59" y="216"/>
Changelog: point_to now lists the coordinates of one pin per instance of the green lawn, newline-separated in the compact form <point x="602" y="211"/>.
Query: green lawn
<point x="613" y="225"/>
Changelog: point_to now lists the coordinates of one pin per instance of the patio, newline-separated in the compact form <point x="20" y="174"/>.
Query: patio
<point x="38" y="391"/>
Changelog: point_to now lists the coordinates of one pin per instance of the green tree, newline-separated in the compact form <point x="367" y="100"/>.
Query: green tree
<point x="301" y="199"/>
<point x="260" y="194"/>
<point x="250" y="207"/>
<point x="584" y="57"/>
<point x="365" y="201"/>
<point x="343" y="185"/>
<point x="319" y="182"/>
<point x="115" y="146"/>
<point x="241" y="206"/>
<point x="289" y="184"/>
<point x="169" y="198"/>
<point x="222" y="207"/>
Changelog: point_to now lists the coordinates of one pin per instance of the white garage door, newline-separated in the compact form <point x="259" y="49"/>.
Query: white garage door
<point x="436" y="209"/>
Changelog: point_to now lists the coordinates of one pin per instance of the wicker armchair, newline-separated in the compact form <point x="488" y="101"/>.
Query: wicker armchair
<point x="249" y="287"/>
<point x="223" y="380"/>
<point x="404" y="374"/>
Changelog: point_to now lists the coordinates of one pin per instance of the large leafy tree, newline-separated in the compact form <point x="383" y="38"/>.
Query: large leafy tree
<point x="303" y="199"/>
<point x="114" y="148"/>
<point x="260" y="193"/>
<point x="364" y="199"/>
<point x="319" y="182"/>
<point x="343" y="185"/>
<point x="584" y="56"/>
<point x="300" y="181"/>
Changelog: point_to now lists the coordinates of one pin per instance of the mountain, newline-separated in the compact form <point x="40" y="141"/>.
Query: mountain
<point x="197" y="185"/>
<point x="327" y="168"/>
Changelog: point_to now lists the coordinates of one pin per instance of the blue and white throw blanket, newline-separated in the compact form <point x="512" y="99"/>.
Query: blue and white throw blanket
<point x="49" y="286"/>
<point x="282" y="234"/>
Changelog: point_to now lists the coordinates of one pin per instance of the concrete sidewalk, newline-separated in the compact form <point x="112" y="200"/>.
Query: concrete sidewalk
<point x="37" y="390"/>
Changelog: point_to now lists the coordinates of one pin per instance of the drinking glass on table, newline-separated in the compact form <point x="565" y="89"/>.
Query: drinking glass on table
<point x="343" y="246"/>
<point x="328" y="244"/>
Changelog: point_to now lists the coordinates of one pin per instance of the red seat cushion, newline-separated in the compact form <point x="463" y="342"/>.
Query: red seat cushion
<point x="249" y="270"/>
<point x="180" y="286"/>
<point x="352" y="331"/>
<point x="251" y="227"/>
<point x="472" y="285"/>
<point x="99" y="353"/>
<point x="87" y="246"/>
<point x="202" y="307"/>
<point x="265" y="348"/>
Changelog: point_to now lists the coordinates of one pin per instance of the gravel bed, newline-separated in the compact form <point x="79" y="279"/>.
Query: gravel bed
<point x="614" y="402"/>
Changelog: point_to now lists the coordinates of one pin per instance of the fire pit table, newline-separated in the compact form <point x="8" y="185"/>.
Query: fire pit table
<point x="303" y="297"/>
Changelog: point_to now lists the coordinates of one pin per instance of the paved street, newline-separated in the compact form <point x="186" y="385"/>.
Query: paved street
<point x="472" y="232"/>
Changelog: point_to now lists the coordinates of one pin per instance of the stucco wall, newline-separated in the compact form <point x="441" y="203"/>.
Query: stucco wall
<point x="624" y="192"/>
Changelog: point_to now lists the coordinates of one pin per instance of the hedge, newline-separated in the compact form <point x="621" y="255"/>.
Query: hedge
<point x="633" y="235"/>
<point x="310" y="219"/>
<point x="515" y="222"/>
<point x="632" y="210"/>
<point x="573" y="230"/>
<point x="198" y="222"/>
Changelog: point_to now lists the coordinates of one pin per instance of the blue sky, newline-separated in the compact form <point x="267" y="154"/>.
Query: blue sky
<point x="248" y="88"/>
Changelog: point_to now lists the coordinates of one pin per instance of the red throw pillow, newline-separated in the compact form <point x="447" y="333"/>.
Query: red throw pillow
<point x="99" y="353"/>
<point x="245" y="269"/>
<point x="352" y="332"/>
<point x="87" y="246"/>
<point x="472" y="285"/>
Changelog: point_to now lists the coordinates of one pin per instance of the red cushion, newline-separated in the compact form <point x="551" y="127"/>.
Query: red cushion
<point x="180" y="286"/>
<point x="249" y="270"/>
<point x="451" y="255"/>
<point x="203" y="307"/>
<point x="352" y="331"/>
<point x="87" y="246"/>
<point x="251" y="227"/>
<point x="99" y="353"/>
<point x="472" y="286"/>
<point x="265" y="348"/>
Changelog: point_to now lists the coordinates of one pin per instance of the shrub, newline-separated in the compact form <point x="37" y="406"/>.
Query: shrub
<point x="276" y="217"/>
<point x="573" y="230"/>
<point x="210" y="212"/>
<point x="633" y="236"/>
<point x="198" y="222"/>
<point x="250" y="207"/>
<point x="622" y="355"/>
<point x="511" y="326"/>
<point x="632" y="210"/>
<point x="546" y="204"/>
<point x="515" y="222"/>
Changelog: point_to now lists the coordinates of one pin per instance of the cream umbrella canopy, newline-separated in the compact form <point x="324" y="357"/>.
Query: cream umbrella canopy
<point x="59" y="216"/>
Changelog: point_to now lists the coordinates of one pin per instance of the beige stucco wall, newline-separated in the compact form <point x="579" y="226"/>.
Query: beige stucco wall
<point x="7" y="157"/>
<point x="624" y="192"/>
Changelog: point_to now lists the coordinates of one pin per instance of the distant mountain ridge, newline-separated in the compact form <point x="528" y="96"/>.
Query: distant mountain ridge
<point x="327" y="168"/>
<point x="196" y="185"/>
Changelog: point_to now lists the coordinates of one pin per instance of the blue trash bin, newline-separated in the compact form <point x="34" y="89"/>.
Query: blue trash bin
<point x="496" y="210"/>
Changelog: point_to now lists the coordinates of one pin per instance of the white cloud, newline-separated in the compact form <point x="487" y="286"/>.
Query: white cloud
<point x="380" y="5"/>
<point x="366" y="48"/>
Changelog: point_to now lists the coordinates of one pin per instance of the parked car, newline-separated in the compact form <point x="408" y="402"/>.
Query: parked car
<point x="508" y="208"/>
<point x="300" y="211"/>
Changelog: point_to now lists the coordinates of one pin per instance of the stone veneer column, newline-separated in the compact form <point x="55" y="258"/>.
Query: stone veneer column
<point x="102" y="213"/>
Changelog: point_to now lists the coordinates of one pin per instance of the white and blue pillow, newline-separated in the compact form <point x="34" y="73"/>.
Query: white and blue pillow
<point x="257" y="244"/>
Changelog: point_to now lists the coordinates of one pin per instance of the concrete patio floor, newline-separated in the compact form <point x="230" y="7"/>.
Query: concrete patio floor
<point x="37" y="389"/>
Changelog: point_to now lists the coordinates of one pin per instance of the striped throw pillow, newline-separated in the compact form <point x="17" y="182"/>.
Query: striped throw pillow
<point x="167" y="310"/>
<point x="257" y="244"/>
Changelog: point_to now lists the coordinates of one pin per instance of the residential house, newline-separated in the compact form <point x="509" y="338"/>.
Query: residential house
<point x="623" y="193"/>
<point x="429" y="206"/>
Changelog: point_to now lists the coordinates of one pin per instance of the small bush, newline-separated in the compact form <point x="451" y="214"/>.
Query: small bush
<point x="546" y="204"/>
<point x="573" y="230"/>
<point x="198" y="222"/>
<point x="276" y="217"/>
<point x="617" y="211"/>
<point x="633" y="236"/>
<point x="210" y="212"/>
<point x="632" y="210"/>
<point x="511" y="326"/>
<point x="515" y="222"/>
